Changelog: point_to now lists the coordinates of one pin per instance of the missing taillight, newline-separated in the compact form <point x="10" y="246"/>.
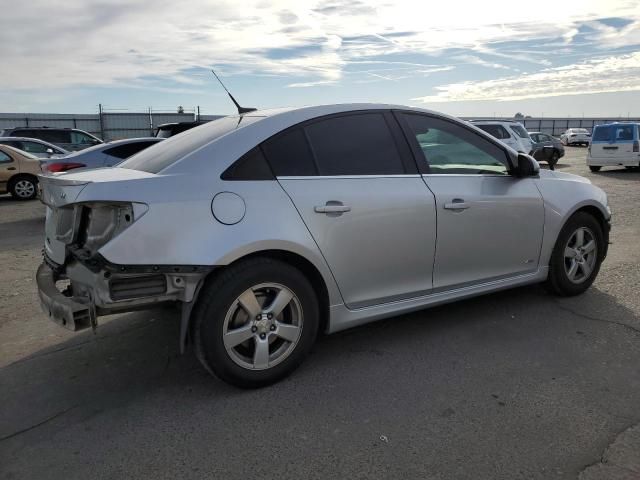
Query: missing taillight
<point x="636" y="146"/>
<point x="100" y="222"/>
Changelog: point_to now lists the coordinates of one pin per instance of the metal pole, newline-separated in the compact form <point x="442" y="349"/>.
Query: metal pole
<point x="101" y="121"/>
<point x="150" y="123"/>
<point x="198" y="117"/>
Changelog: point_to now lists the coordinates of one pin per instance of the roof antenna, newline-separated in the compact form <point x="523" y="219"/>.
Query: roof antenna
<point x="241" y="110"/>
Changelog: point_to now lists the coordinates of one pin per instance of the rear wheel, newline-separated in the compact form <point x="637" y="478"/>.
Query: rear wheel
<point x="576" y="256"/>
<point x="256" y="322"/>
<point x="594" y="168"/>
<point x="24" y="187"/>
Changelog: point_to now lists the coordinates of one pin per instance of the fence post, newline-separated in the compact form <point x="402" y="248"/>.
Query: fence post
<point x="26" y="121"/>
<point x="198" y="117"/>
<point x="150" y="123"/>
<point x="101" y="122"/>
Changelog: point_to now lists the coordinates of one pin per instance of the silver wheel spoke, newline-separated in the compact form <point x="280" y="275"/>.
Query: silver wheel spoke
<point x="287" y="332"/>
<point x="573" y="270"/>
<point x="589" y="247"/>
<point x="235" y="337"/>
<point x="569" y="252"/>
<point x="261" y="355"/>
<point x="586" y="269"/>
<point x="579" y="238"/>
<point x="249" y="302"/>
<point x="280" y="302"/>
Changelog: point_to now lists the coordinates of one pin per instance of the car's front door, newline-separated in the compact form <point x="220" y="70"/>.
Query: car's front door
<point x="357" y="189"/>
<point x="490" y="223"/>
<point x="8" y="168"/>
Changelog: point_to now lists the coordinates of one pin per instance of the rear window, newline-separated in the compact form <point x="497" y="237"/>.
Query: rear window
<point x="173" y="149"/>
<point x="520" y="131"/>
<point x="623" y="133"/>
<point x="496" y="131"/>
<point x="128" y="149"/>
<point x="602" y="134"/>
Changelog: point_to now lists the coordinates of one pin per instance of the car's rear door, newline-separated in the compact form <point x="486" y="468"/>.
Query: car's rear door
<point x="356" y="187"/>
<point x="490" y="224"/>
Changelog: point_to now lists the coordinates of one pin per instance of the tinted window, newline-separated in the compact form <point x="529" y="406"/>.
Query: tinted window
<point x="497" y="131"/>
<point x="451" y="149"/>
<point x="15" y="144"/>
<point x="128" y="149"/>
<point x="4" y="158"/>
<point x="251" y="166"/>
<point x="176" y="147"/>
<point x="623" y="133"/>
<point x="536" y="138"/>
<point x="34" y="147"/>
<point x="79" y="138"/>
<point x="602" y="134"/>
<point x="289" y="154"/>
<point x="355" y="145"/>
<point x="53" y="136"/>
<point x="520" y="131"/>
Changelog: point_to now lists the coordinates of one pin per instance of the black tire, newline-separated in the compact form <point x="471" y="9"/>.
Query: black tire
<point x="23" y="187"/>
<point x="558" y="281"/>
<point x="594" y="168"/>
<point x="219" y="295"/>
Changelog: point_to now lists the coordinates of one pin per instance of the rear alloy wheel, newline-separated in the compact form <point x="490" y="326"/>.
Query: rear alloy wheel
<point x="595" y="168"/>
<point x="24" y="188"/>
<point x="255" y="323"/>
<point x="577" y="256"/>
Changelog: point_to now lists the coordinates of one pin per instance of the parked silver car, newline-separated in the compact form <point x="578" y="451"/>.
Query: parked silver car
<point x="102" y="155"/>
<point x="272" y="226"/>
<point x="39" y="148"/>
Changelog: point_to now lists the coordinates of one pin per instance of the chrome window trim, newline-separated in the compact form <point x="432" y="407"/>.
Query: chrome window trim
<point x="352" y="177"/>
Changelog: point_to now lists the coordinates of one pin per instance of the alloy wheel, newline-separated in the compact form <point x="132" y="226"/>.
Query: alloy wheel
<point x="580" y="255"/>
<point x="24" y="188"/>
<point x="263" y="326"/>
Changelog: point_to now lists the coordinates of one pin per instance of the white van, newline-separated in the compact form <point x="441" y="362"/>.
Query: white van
<point x="508" y="132"/>
<point x="614" y="144"/>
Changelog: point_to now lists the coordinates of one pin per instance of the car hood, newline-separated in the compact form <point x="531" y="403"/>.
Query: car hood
<point x="563" y="176"/>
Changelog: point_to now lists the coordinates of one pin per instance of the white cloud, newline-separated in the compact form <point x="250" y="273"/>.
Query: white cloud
<point x="50" y="44"/>
<point x="609" y="74"/>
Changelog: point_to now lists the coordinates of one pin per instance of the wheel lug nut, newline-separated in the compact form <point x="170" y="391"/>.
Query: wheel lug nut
<point x="269" y="316"/>
<point x="263" y="336"/>
<point x="273" y="327"/>
<point x="254" y="329"/>
<point x="259" y="317"/>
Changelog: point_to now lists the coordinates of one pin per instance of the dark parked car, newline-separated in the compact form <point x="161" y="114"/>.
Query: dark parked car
<point x="67" y="138"/>
<point x="546" y="148"/>
<point x="103" y="155"/>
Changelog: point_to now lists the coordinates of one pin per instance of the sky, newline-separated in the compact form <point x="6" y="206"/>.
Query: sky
<point x="466" y="58"/>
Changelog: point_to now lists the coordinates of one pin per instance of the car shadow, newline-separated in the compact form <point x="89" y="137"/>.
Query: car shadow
<point x="619" y="172"/>
<point x="132" y="355"/>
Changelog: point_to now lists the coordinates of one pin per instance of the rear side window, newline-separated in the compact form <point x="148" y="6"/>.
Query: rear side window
<point x="623" y="133"/>
<point x="602" y="134"/>
<point x="53" y="136"/>
<point x="251" y="166"/>
<point x="359" y="144"/>
<point x="126" y="150"/>
<point x="496" y="131"/>
<point x="4" y="158"/>
<point x="289" y="154"/>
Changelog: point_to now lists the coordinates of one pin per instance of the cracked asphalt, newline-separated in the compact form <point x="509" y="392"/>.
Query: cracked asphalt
<point x="518" y="384"/>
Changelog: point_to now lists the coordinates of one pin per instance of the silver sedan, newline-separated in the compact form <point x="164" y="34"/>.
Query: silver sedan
<point x="273" y="226"/>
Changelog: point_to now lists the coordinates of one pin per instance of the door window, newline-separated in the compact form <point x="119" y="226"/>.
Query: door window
<point x="53" y="136"/>
<point x="451" y="149"/>
<point x="79" y="138"/>
<point x="4" y="158"/>
<point x="496" y="131"/>
<point x="520" y="131"/>
<point x="360" y="144"/>
<point x="289" y="154"/>
<point x="34" y="147"/>
<point x="128" y="149"/>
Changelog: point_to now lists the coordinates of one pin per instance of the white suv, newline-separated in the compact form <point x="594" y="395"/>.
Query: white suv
<point x="508" y="132"/>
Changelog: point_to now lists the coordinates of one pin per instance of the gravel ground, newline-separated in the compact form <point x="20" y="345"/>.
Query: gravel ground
<point x="517" y="384"/>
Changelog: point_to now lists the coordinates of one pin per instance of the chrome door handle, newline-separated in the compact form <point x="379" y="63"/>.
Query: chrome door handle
<point x="331" y="207"/>
<point x="457" y="204"/>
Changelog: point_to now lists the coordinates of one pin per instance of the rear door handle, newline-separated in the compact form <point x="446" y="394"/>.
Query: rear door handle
<point x="332" y="207"/>
<point x="457" y="204"/>
<point x="11" y="168"/>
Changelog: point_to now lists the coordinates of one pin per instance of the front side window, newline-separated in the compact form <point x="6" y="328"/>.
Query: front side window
<point x="496" y="131"/>
<point x="359" y="144"/>
<point x="4" y="158"/>
<point x="79" y="138"/>
<point x="520" y="131"/>
<point x="451" y="149"/>
<point x="34" y="147"/>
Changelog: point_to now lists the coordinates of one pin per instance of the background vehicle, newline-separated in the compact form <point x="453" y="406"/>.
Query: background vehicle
<point x="103" y="155"/>
<point x="70" y="139"/>
<point x="256" y="223"/>
<point x="546" y="148"/>
<point x="18" y="173"/>
<point x="576" y="136"/>
<point x="170" y="129"/>
<point x="614" y="144"/>
<point x="508" y="132"/>
<point x="39" y="148"/>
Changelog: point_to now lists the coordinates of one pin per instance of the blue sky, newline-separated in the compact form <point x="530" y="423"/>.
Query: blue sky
<point x="465" y="58"/>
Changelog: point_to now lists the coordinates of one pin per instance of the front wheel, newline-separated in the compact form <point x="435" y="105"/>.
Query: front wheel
<point x="595" y="168"/>
<point x="576" y="256"/>
<point x="256" y="322"/>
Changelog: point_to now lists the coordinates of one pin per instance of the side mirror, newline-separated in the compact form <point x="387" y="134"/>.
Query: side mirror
<point x="49" y="151"/>
<point x="527" y="166"/>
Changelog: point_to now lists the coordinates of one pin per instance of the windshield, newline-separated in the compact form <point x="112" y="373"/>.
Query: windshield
<point x="519" y="129"/>
<point x="157" y="158"/>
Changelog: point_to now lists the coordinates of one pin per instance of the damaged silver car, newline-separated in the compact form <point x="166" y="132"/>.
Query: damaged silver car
<point x="270" y="227"/>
